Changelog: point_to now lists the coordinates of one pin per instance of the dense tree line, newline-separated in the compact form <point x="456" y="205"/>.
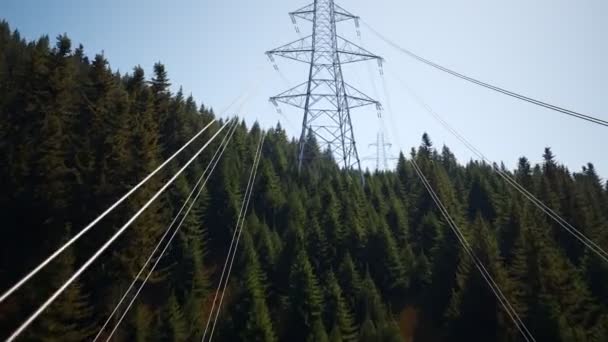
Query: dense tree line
<point x="322" y="257"/>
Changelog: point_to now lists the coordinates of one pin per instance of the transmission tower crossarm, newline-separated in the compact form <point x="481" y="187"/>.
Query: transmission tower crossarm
<point x="351" y="52"/>
<point x="325" y="97"/>
<point x="299" y="50"/>
<point x="318" y="91"/>
<point x="307" y="13"/>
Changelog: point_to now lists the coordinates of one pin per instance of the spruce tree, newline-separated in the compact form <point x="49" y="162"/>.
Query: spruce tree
<point x="174" y="318"/>
<point x="349" y="278"/>
<point x="318" y="333"/>
<point x="305" y="299"/>
<point x="474" y="311"/>
<point x="368" y="331"/>
<point x="70" y="316"/>
<point x="337" y="310"/>
<point x="76" y="135"/>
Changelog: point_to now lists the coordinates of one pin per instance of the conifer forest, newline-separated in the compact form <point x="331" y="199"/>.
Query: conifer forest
<point x="322" y="256"/>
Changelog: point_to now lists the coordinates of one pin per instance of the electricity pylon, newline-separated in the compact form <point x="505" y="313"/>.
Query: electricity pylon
<point x="381" y="146"/>
<point x="325" y="98"/>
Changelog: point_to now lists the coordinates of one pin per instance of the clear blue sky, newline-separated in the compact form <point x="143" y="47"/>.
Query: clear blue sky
<point x="553" y="50"/>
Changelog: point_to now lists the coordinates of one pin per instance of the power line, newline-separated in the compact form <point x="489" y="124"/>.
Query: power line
<point x="96" y="220"/>
<point x="50" y="300"/>
<point x="482" y="269"/>
<point x="206" y="174"/>
<point x="487" y="85"/>
<point x="55" y="254"/>
<point x="219" y="307"/>
<point x="232" y="251"/>
<point x="599" y="251"/>
<point x="233" y="247"/>
<point x="214" y="161"/>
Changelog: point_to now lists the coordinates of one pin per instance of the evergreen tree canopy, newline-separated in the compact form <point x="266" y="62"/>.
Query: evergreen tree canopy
<point x="321" y="257"/>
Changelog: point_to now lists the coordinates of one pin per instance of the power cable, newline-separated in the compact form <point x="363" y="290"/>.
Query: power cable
<point x="598" y="250"/>
<point x="56" y="294"/>
<point x="98" y="218"/>
<point x="219" y="307"/>
<point x="231" y="247"/>
<point x="482" y="269"/>
<point x="204" y="175"/>
<point x="487" y="85"/>
<point x="83" y="231"/>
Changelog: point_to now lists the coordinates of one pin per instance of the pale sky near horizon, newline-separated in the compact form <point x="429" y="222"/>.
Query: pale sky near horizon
<point x="552" y="50"/>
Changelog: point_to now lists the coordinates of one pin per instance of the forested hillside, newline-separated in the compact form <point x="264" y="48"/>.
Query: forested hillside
<point x="322" y="258"/>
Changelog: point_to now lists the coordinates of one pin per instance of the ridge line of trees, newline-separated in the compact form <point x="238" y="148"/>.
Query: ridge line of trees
<point x="323" y="258"/>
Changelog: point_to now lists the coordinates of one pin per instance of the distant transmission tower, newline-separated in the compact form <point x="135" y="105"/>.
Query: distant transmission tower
<point x="325" y="98"/>
<point x="381" y="146"/>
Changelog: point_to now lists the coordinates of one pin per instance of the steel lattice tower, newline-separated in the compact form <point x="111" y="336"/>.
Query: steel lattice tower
<point x="381" y="146"/>
<point x="325" y="98"/>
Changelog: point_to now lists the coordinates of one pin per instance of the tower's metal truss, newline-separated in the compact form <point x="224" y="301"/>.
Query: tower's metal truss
<point x="325" y="98"/>
<point x="381" y="155"/>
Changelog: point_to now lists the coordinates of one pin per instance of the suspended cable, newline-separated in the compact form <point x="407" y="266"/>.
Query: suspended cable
<point x="478" y="263"/>
<point x="205" y="175"/>
<point x="489" y="86"/>
<point x="219" y="307"/>
<point x="214" y="161"/>
<point x="232" y="246"/>
<point x="83" y="231"/>
<point x="50" y="300"/>
<point x="96" y="220"/>
<point x="594" y="247"/>
<point x="461" y="238"/>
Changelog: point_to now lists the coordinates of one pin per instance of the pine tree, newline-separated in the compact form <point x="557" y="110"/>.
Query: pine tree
<point x="56" y="127"/>
<point x="350" y="280"/>
<point x="253" y="316"/>
<point x="177" y="329"/>
<point x="337" y="310"/>
<point x="272" y="198"/>
<point x="421" y="276"/>
<point x="143" y="328"/>
<point x="318" y="333"/>
<point x="305" y="300"/>
<point x="386" y="264"/>
<point x="70" y="317"/>
<point x="368" y="331"/>
<point x="76" y="135"/>
<point x="551" y="288"/>
<point x="318" y="246"/>
<point x="523" y="174"/>
<point x="335" y="335"/>
<point x="196" y="286"/>
<point x="390" y="332"/>
<point x="369" y="303"/>
<point x="330" y="221"/>
<point x="480" y="200"/>
<point x="474" y="311"/>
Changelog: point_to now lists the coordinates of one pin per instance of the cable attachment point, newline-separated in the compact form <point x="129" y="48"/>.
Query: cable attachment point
<point x="295" y="23"/>
<point x="274" y="63"/>
<point x="276" y="105"/>
<point x="379" y="109"/>
<point x="380" y="68"/>
<point x="358" y="27"/>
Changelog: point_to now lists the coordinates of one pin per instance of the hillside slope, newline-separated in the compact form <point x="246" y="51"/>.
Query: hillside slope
<point x="321" y="257"/>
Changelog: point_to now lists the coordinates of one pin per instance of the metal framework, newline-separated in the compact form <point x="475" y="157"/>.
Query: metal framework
<point x="381" y="146"/>
<point x="325" y="98"/>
